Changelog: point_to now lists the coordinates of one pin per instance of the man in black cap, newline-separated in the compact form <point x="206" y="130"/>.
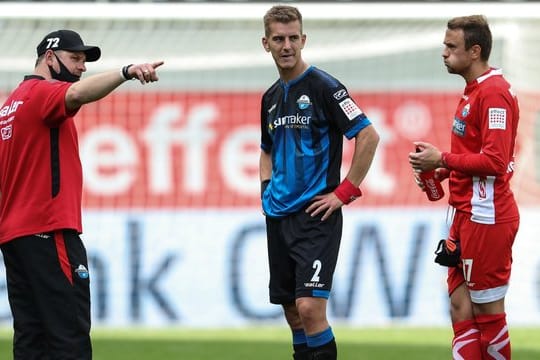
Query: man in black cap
<point x="41" y="191"/>
<point x="66" y="40"/>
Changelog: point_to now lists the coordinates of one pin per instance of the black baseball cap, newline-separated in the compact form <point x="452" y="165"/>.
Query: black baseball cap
<point x="67" y="40"/>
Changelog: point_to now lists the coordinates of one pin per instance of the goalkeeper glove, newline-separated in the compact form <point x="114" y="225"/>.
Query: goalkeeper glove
<point x="448" y="253"/>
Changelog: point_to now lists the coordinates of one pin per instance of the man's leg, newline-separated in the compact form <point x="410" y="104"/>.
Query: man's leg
<point x="61" y="291"/>
<point x="67" y="317"/>
<point x="495" y="339"/>
<point x="323" y="345"/>
<point x="466" y="341"/>
<point x="301" y="350"/>
<point x="490" y="276"/>
<point x="319" y="335"/>
<point x="29" y="337"/>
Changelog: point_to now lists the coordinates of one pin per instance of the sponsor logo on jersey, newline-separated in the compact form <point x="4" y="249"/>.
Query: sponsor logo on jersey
<point x="350" y="108"/>
<point x="459" y="127"/>
<point x="340" y="94"/>
<point x="497" y="118"/>
<point x="11" y="108"/>
<point x="292" y="121"/>
<point x="303" y="102"/>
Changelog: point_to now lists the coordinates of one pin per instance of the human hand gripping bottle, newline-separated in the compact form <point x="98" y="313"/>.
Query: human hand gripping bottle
<point x="433" y="187"/>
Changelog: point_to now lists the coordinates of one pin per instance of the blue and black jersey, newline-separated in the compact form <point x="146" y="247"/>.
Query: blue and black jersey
<point x="302" y="125"/>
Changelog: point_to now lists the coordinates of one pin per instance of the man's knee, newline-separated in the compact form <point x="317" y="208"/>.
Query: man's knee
<point x="460" y="304"/>
<point x="312" y="311"/>
<point x="292" y="316"/>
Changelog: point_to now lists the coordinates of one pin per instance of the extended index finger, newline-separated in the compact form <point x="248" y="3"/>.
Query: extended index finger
<point x="157" y="64"/>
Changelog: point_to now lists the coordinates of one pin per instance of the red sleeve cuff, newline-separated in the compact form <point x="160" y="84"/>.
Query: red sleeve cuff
<point x="444" y="159"/>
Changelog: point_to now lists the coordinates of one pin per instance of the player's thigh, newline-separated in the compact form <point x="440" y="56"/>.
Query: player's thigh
<point x="67" y="315"/>
<point x="281" y="266"/>
<point x="461" y="307"/>
<point x="486" y="253"/>
<point x="486" y="259"/>
<point x="315" y="251"/>
<point x="455" y="274"/>
<point x="26" y="320"/>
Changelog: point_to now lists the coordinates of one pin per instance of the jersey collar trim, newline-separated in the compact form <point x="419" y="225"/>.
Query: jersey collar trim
<point x="300" y="77"/>
<point x="490" y="73"/>
<point x="30" y="77"/>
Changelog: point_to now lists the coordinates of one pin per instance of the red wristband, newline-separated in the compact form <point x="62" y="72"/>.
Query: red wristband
<point x="347" y="192"/>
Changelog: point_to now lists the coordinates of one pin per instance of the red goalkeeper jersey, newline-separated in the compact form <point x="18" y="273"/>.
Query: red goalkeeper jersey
<point x="481" y="159"/>
<point x="40" y="168"/>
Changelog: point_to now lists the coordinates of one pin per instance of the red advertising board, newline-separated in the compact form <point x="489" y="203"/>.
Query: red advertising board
<point x="201" y="150"/>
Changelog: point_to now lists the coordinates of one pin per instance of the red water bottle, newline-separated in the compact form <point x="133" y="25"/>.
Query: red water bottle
<point x="433" y="187"/>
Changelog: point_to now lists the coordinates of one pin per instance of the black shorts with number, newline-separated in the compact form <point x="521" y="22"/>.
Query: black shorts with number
<point x="302" y="254"/>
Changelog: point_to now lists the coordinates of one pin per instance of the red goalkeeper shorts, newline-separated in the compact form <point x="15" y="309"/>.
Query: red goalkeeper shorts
<point x="486" y="257"/>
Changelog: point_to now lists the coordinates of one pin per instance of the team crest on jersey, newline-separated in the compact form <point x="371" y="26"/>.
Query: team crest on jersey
<point x="82" y="271"/>
<point x="303" y="102"/>
<point x="465" y="111"/>
<point x="459" y="127"/>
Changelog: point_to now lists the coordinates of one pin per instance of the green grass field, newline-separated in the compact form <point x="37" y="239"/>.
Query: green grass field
<point x="274" y="344"/>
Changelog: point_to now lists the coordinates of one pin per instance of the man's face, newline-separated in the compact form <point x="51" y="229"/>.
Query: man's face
<point x="456" y="59"/>
<point x="73" y="61"/>
<point x="285" y="43"/>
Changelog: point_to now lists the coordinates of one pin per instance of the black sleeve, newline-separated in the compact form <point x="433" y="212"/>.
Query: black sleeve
<point x="266" y="140"/>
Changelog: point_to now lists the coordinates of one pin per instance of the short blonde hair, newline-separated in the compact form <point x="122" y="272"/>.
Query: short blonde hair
<point x="282" y="14"/>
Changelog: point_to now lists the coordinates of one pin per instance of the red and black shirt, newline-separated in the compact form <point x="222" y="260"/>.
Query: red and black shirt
<point x="40" y="167"/>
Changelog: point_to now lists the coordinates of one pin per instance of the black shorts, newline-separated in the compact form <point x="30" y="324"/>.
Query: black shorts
<point x="49" y="295"/>
<point x="302" y="254"/>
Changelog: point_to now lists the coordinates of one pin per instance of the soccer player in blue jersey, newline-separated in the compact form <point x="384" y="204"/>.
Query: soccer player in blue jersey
<point x="304" y="116"/>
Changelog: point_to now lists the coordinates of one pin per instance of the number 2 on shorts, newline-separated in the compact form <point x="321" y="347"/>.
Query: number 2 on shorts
<point x="317" y="265"/>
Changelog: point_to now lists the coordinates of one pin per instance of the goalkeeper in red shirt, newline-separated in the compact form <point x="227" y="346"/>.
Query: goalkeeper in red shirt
<point x="479" y="166"/>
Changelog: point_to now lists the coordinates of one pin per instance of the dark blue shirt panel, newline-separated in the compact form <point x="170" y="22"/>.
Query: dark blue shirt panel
<point x="302" y="126"/>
